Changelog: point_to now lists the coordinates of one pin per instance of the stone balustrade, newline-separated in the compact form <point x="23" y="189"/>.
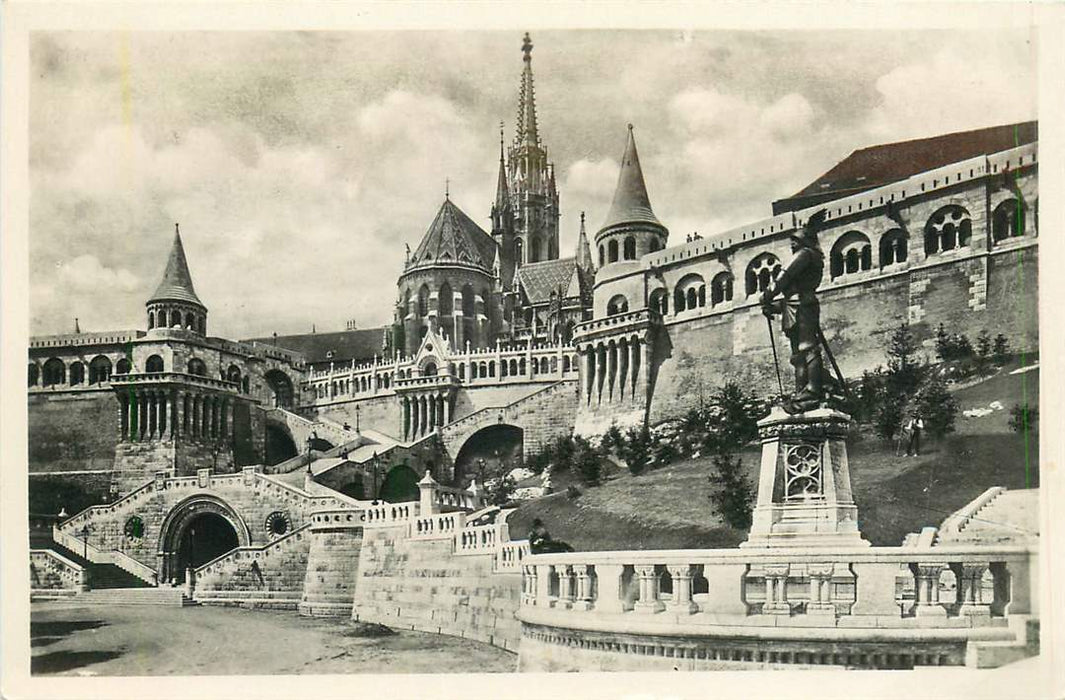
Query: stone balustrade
<point x="51" y="571"/>
<point x="128" y="502"/>
<point x="609" y="325"/>
<point x="478" y="539"/>
<point x="153" y="378"/>
<point x="511" y="555"/>
<point x="342" y="517"/>
<point x="99" y="556"/>
<point x="389" y="514"/>
<point x="439" y="526"/>
<point x="882" y="587"/>
<point x="219" y="570"/>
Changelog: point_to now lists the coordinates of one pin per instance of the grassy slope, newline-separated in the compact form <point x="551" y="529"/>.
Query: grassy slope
<point x="669" y="507"/>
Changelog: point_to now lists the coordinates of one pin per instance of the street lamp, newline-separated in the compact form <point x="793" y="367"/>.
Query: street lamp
<point x="375" y="465"/>
<point x="85" y="530"/>
<point x="358" y="407"/>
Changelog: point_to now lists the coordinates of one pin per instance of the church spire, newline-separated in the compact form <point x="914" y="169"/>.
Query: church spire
<point x="501" y="182"/>
<point x="527" y="133"/>
<point x="584" y="251"/>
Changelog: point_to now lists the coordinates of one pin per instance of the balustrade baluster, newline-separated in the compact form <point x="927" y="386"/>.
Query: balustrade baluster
<point x="682" y="589"/>
<point x="926" y="589"/>
<point x="649" y="590"/>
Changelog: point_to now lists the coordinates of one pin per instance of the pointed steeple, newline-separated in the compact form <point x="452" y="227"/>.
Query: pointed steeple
<point x="501" y="181"/>
<point x="584" y="251"/>
<point x="177" y="281"/>
<point x="527" y="133"/>
<point x="631" y="203"/>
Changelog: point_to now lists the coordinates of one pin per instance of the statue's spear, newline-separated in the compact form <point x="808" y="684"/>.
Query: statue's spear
<point x="776" y="360"/>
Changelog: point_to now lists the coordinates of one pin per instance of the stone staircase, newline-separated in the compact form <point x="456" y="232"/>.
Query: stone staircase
<point x="135" y="596"/>
<point x="100" y="575"/>
<point x="997" y="517"/>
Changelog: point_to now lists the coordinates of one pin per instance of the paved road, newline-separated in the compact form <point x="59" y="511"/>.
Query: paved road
<point x="155" y="640"/>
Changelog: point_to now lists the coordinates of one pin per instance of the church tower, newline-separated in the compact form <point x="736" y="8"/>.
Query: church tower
<point x="175" y="304"/>
<point x="533" y="197"/>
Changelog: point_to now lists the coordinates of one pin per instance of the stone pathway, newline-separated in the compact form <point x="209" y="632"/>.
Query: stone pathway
<point x="148" y="640"/>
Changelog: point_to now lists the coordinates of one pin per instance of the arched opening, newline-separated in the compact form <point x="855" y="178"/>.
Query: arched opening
<point x="660" y="301"/>
<point x="602" y="256"/>
<point x="55" y="372"/>
<point x="762" y="272"/>
<point x="99" y="370"/>
<point x="630" y="248"/>
<point x="948" y="228"/>
<point x="423" y="301"/>
<point x="155" y="364"/>
<point x="690" y="292"/>
<point x="612" y="250"/>
<point x="490" y="451"/>
<point x="190" y="321"/>
<point x="445" y="300"/>
<point x="429" y="369"/>
<point x="1007" y="220"/>
<point x="468" y="301"/>
<point x="195" y="366"/>
<point x="518" y="252"/>
<point x="196" y="531"/>
<point x="207" y="536"/>
<point x="280" y="387"/>
<point x="400" y="484"/>
<point x="233" y="374"/>
<point x="33" y="374"/>
<point x="279" y="444"/>
<point x="534" y="249"/>
<point x="77" y="373"/>
<point x="894" y="247"/>
<point x="851" y="253"/>
<point x="720" y="288"/>
<point x="617" y="305"/>
<point x="123" y="366"/>
<point x="151" y="320"/>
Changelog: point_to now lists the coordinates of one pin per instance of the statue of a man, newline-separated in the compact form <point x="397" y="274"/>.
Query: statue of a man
<point x="801" y="316"/>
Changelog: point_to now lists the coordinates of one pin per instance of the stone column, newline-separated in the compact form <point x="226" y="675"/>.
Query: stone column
<point x="643" y="385"/>
<point x="588" y="375"/>
<point x="820" y="602"/>
<point x="528" y="585"/>
<point x="600" y="371"/>
<point x="682" y="589"/>
<point x="583" y="597"/>
<point x="123" y="417"/>
<point x="565" y="586"/>
<point x="776" y="590"/>
<point x="611" y="370"/>
<point x="608" y="581"/>
<point x="543" y="586"/>
<point x="969" y="576"/>
<point x="447" y="409"/>
<point x="926" y="589"/>
<point x="623" y="367"/>
<point x="404" y="418"/>
<point x="649" y="589"/>
<point x="636" y="371"/>
<point x="142" y="415"/>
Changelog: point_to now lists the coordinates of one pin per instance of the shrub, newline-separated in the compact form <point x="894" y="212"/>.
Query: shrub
<point x="1001" y="349"/>
<point x="888" y="415"/>
<point x="952" y="346"/>
<point x="586" y="461"/>
<point x="636" y="449"/>
<point x="499" y="492"/>
<point x="731" y="492"/>
<point x="938" y="408"/>
<point x="904" y="370"/>
<point x="1023" y="418"/>
<point x="612" y="440"/>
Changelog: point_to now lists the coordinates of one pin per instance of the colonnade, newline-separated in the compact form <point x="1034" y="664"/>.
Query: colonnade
<point x="165" y="414"/>
<point x="423" y="413"/>
<point x="615" y="370"/>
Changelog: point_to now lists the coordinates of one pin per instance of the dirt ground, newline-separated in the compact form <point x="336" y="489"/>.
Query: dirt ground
<point x="156" y="640"/>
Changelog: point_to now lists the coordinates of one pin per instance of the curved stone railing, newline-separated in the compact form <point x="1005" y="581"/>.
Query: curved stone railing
<point x="139" y="378"/>
<point x="492" y="412"/>
<point x="439" y="526"/>
<point x="53" y="572"/>
<point x="385" y="514"/>
<point x="696" y="591"/>
<point x="340" y="517"/>
<point x="222" y="566"/>
<point x="478" y="539"/>
<point x="133" y="498"/>
<point x="960" y="519"/>
<point x="511" y="556"/>
<point x="612" y="323"/>
<point x="99" y="556"/>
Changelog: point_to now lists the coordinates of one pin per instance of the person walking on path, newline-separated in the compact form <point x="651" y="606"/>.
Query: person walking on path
<point x="915" y="426"/>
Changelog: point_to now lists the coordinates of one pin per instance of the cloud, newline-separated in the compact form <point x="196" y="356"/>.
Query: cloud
<point x="75" y="288"/>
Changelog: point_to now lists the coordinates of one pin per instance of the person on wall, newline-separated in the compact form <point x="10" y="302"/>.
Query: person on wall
<point x="540" y="541"/>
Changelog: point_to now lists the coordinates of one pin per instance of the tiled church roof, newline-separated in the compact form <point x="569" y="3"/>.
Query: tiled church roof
<point x="872" y="167"/>
<point x="340" y="347"/>
<point x="177" y="281"/>
<point x="454" y="236"/>
<point x="631" y="203"/>
<point x="538" y="280"/>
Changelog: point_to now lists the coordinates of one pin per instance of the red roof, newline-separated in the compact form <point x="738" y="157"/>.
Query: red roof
<point x="874" y="166"/>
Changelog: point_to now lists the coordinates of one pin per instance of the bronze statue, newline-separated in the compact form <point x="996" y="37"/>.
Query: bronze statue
<point x="801" y="319"/>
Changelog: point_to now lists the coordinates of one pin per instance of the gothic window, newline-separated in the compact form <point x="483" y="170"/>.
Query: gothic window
<point x="762" y="272"/>
<point x="155" y="364"/>
<point x="550" y="366"/>
<point x="233" y="374"/>
<point x="518" y="252"/>
<point x="612" y="251"/>
<point x="33" y="375"/>
<point x="893" y="247"/>
<point x="504" y="369"/>
<point x="1008" y="220"/>
<point x="617" y="305"/>
<point x="429" y="370"/>
<point x="851" y="253"/>
<point x="720" y="289"/>
<point x="189" y="321"/>
<point x="445" y="300"/>
<point x="947" y="229"/>
<point x="468" y="301"/>
<point x="492" y="368"/>
<point x="690" y="293"/>
<point x="77" y="373"/>
<point x="245" y="385"/>
<point x="521" y="366"/>
<point x="462" y="372"/>
<point x="195" y="366"/>
<point x="423" y="301"/>
<point x="123" y="366"/>
<point x="514" y="367"/>
<point x="175" y="319"/>
<point x="602" y="256"/>
<point x="55" y="372"/>
<point x="660" y="301"/>
<point x="406" y="303"/>
<point x="630" y="248"/>
<point x="151" y="319"/>
<point x="535" y="249"/>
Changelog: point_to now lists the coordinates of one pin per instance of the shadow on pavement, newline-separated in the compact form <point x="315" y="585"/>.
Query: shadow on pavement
<point x="59" y="661"/>
<point x="44" y="633"/>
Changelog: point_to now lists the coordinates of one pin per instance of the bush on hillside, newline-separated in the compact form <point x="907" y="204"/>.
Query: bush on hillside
<point x="904" y="368"/>
<point x="612" y="440"/>
<point x="938" y="408"/>
<point x="1023" y="418"/>
<point x="731" y="492"/>
<point x="636" y="449"/>
<point x="952" y="346"/>
<point x="587" y="463"/>
<point x="1000" y="350"/>
<point x="887" y="418"/>
<point x="500" y="491"/>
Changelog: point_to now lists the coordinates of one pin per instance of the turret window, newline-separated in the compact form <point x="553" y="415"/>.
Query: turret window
<point x="602" y="256"/>
<point x="77" y="373"/>
<point x="154" y="364"/>
<point x="690" y="293"/>
<point x="612" y="251"/>
<point x="617" y="305"/>
<point x="55" y="372"/>
<point x="851" y="253"/>
<point x="196" y="366"/>
<point x="99" y="370"/>
<point x="893" y="247"/>
<point x="660" y="301"/>
<point x="630" y="248"/>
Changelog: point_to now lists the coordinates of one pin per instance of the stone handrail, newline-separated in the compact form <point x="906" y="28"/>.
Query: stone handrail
<point x="610" y="323"/>
<point x="168" y="377"/>
<point x="99" y="556"/>
<point x="511" y="555"/>
<point x="960" y="519"/>
<point x="131" y="498"/>
<point x="251" y="552"/>
<point x="385" y="514"/>
<point x="336" y="500"/>
<point x="478" y="539"/>
<point x="338" y="517"/>
<point x="46" y="561"/>
<point x="480" y="413"/>
<point x="439" y="526"/>
<point x="840" y="588"/>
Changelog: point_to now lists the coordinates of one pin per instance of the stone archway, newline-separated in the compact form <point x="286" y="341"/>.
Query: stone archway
<point x="197" y="530"/>
<point x="498" y="447"/>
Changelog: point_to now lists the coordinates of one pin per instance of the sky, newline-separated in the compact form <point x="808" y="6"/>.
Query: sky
<point x="299" y="163"/>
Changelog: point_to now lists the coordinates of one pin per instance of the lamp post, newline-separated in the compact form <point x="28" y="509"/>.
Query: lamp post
<point x="85" y="530"/>
<point x="375" y="466"/>
<point x="358" y="408"/>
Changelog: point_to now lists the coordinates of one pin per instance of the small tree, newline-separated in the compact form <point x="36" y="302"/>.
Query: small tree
<point x="938" y="408"/>
<point x="1023" y="418"/>
<point x="1001" y="349"/>
<point x="636" y="449"/>
<point x="983" y="352"/>
<point x="944" y="348"/>
<point x="739" y="414"/>
<point x="586" y="461"/>
<point x="500" y="491"/>
<point x="612" y="440"/>
<point x="888" y="417"/>
<point x="904" y="369"/>
<point x="731" y="492"/>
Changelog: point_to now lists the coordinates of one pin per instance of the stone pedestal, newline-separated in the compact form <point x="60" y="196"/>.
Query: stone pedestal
<point x="804" y="487"/>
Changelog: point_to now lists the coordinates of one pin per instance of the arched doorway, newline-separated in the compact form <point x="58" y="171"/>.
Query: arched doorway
<point x="197" y="531"/>
<point x="492" y="450"/>
<point x="279" y="444"/>
<point x="280" y="388"/>
<point x="400" y="484"/>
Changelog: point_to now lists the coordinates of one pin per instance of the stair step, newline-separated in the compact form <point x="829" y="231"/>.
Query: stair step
<point x="136" y="596"/>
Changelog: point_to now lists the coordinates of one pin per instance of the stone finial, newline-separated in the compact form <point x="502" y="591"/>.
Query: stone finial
<point x="474" y="487"/>
<point x="428" y="478"/>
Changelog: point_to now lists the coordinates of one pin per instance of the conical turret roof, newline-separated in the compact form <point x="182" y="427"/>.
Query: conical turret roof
<point x="631" y="203"/>
<point x="455" y="237"/>
<point x="177" y="281"/>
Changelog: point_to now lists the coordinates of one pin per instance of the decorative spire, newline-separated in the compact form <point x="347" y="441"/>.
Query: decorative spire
<point x="447" y="188"/>
<point x="177" y="281"/>
<point x="77" y="328"/>
<point x="501" y="183"/>
<point x="631" y="203"/>
<point x="527" y="133"/>
<point x="584" y="251"/>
